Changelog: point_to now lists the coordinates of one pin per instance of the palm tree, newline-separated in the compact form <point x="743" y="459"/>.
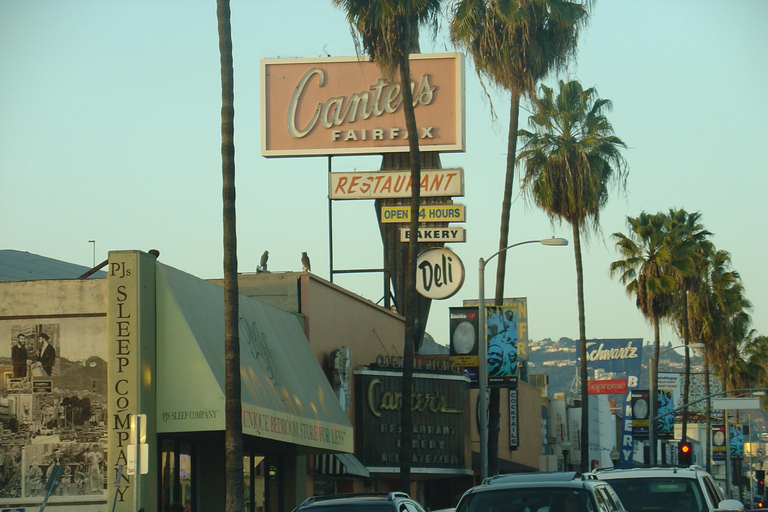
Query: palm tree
<point x="689" y="236"/>
<point x="388" y="32"/>
<point x="233" y="437"/>
<point x="721" y="288"/>
<point x="647" y="267"/>
<point x="570" y="160"/>
<point x="514" y="45"/>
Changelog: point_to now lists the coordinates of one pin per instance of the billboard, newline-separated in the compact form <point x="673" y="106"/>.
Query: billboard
<point x="617" y="358"/>
<point x="506" y="325"/>
<point x="343" y="105"/>
<point x="464" y="336"/>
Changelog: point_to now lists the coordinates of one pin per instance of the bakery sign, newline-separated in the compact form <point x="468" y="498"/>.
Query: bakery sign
<point x="344" y="105"/>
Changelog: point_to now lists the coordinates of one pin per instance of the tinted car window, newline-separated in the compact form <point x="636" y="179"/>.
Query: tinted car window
<point x="715" y="496"/>
<point x="659" y="494"/>
<point x="528" y="500"/>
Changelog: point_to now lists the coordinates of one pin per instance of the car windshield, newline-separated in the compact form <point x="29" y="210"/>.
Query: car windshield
<point x="659" y="494"/>
<point x="542" y="499"/>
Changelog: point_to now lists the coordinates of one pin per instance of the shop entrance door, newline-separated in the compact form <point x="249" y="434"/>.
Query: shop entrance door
<point x="261" y="483"/>
<point x="177" y="493"/>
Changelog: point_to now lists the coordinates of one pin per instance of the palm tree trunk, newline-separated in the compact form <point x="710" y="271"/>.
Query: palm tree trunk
<point x="233" y="437"/>
<point x="412" y="330"/>
<point x="506" y="205"/>
<point x="687" y="384"/>
<point x="494" y="401"/>
<point x="653" y="395"/>
<point x="707" y="392"/>
<point x="582" y="351"/>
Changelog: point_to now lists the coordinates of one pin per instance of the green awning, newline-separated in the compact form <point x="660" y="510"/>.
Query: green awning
<point x="285" y="393"/>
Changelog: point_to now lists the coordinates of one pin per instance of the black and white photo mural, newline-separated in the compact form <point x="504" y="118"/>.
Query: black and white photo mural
<point x="53" y="409"/>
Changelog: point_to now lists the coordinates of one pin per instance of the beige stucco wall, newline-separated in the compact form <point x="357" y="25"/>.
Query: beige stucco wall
<point x="53" y="297"/>
<point x="529" y="425"/>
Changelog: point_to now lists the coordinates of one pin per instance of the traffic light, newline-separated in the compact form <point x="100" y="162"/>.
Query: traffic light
<point x="685" y="454"/>
<point x="760" y="477"/>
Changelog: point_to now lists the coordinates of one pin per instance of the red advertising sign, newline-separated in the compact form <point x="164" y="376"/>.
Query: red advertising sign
<point x="607" y="387"/>
<point x="343" y="105"/>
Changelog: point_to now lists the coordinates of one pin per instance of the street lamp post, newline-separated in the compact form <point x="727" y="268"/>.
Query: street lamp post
<point x="483" y="349"/>
<point x="654" y="398"/>
<point x="94" y="251"/>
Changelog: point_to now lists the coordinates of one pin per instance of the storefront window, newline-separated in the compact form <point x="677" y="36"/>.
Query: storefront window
<point x="176" y="476"/>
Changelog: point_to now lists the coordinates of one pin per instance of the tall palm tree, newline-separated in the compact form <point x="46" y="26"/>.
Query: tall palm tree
<point x="233" y="437"/>
<point x="689" y="236"/>
<point x="570" y="159"/>
<point x="720" y="289"/>
<point x="647" y="267"/>
<point x="388" y="32"/>
<point x="515" y="45"/>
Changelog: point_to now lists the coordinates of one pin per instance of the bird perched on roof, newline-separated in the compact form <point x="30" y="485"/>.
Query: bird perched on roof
<point x="305" y="266"/>
<point x="263" y="263"/>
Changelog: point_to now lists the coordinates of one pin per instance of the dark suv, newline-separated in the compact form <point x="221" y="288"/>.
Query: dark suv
<point x="540" y="492"/>
<point x="376" y="502"/>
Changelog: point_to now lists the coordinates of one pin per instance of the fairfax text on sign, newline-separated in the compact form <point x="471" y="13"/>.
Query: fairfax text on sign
<point x="342" y="105"/>
<point x="394" y="184"/>
<point x="429" y="213"/>
<point x="436" y="234"/>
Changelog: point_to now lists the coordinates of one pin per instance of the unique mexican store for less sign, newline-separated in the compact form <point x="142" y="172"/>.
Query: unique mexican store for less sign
<point x="343" y="105"/>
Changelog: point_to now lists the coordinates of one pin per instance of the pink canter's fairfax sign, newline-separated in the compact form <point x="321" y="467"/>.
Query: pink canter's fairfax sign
<point x="343" y="105"/>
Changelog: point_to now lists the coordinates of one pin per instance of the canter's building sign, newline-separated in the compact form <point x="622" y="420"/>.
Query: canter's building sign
<point x="344" y="105"/>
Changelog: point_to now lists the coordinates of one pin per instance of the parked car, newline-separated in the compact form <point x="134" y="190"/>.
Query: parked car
<point x="540" y="492"/>
<point x="668" y="489"/>
<point x="358" y="502"/>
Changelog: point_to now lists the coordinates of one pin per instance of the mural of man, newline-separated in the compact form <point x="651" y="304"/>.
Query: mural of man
<point x="95" y="478"/>
<point x="46" y="355"/>
<point x="19" y="356"/>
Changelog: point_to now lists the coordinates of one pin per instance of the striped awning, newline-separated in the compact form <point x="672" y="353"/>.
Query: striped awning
<point x="340" y="464"/>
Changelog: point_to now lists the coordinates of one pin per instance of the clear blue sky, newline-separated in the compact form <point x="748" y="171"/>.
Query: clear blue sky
<point x="110" y="131"/>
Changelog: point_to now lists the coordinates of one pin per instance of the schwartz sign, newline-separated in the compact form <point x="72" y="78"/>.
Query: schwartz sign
<point x="343" y="105"/>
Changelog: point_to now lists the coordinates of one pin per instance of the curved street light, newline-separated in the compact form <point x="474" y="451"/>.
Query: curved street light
<point x="654" y="393"/>
<point x="483" y="349"/>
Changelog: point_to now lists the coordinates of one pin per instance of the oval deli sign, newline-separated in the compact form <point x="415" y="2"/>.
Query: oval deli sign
<point x="439" y="273"/>
<point x="343" y="105"/>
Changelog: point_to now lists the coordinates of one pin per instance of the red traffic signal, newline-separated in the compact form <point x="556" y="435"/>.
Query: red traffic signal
<point x="685" y="454"/>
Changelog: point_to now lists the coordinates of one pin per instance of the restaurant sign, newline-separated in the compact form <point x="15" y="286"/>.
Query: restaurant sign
<point x="440" y="421"/>
<point x="394" y="184"/>
<point x="343" y="105"/>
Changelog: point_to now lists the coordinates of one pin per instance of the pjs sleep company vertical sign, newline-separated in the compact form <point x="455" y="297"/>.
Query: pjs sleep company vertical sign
<point x="122" y="288"/>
